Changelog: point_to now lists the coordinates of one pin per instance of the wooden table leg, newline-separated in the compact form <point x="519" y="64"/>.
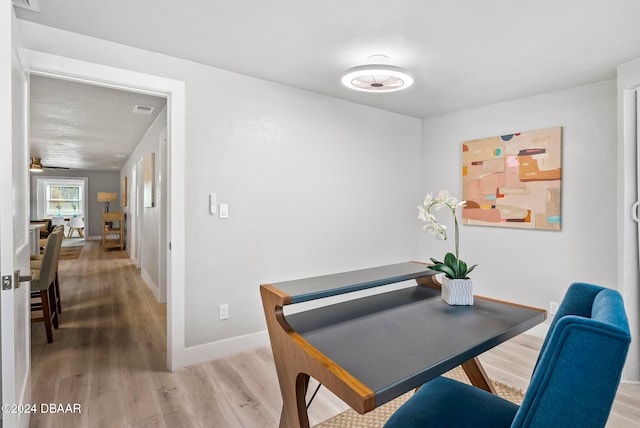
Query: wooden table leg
<point x="294" y="407"/>
<point x="296" y="360"/>
<point x="478" y="377"/>
<point x="429" y="282"/>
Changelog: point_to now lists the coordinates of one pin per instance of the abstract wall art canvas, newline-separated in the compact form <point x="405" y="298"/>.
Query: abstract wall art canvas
<point x="123" y="192"/>
<point x="513" y="180"/>
<point x="149" y="168"/>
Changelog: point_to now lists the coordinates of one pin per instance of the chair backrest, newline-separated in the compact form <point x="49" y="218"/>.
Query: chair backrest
<point x="56" y="255"/>
<point x="76" y="222"/>
<point x="49" y="263"/>
<point x="579" y="367"/>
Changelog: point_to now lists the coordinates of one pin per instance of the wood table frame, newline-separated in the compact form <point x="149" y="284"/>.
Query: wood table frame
<point x="296" y="359"/>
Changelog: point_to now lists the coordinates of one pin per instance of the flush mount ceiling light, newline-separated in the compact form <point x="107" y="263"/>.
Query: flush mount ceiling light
<point x="377" y="76"/>
<point x="35" y="165"/>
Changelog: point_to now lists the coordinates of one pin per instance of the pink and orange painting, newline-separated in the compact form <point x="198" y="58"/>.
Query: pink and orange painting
<point x="513" y="180"/>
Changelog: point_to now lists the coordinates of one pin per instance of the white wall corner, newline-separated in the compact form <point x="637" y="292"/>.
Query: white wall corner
<point x="152" y="285"/>
<point x="226" y="347"/>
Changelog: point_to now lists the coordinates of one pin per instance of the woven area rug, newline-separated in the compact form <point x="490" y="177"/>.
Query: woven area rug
<point x="377" y="417"/>
<point x="70" y="253"/>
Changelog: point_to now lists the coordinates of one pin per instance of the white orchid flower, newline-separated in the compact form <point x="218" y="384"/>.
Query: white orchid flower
<point x="443" y="199"/>
<point x="422" y="213"/>
<point x="442" y="195"/>
<point x="439" y="230"/>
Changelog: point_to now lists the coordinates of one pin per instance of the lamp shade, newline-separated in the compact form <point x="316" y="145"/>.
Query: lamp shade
<point x="107" y="196"/>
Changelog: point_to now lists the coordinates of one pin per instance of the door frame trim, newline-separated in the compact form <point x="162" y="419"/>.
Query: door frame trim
<point x="40" y="63"/>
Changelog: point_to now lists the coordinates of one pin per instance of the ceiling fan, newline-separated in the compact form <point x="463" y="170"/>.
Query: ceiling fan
<point x="36" y="165"/>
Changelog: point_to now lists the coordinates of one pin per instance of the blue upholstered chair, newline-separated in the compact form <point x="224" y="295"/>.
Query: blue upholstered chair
<point x="573" y="384"/>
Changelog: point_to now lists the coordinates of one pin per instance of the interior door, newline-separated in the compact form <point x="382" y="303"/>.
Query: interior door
<point x="14" y="222"/>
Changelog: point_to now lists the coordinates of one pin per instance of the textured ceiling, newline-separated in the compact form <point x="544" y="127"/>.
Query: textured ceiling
<point x="462" y="53"/>
<point x="79" y="126"/>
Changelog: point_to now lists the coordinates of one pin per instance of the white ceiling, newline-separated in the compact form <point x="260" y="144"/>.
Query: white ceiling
<point x="79" y="126"/>
<point x="462" y="53"/>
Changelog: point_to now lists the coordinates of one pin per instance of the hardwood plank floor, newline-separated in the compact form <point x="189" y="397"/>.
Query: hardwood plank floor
<point x="109" y="356"/>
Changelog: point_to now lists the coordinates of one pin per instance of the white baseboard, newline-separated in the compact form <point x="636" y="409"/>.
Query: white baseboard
<point x="152" y="285"/>
<point x="224" y="348"/>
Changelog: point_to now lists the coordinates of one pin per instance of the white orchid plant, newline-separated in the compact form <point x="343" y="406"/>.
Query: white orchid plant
<point x="452" y="266"/>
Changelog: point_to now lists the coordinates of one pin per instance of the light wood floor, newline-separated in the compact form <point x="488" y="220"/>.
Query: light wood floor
<point x="109" y="356"/>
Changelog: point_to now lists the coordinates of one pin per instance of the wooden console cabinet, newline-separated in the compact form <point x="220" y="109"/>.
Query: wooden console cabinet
<point x="113" y="230"/>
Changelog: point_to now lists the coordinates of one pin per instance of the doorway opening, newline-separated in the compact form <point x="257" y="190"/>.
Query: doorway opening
<point x="174" y="91"/>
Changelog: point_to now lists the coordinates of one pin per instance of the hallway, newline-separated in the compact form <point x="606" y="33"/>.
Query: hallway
<point x="110" y="342"/>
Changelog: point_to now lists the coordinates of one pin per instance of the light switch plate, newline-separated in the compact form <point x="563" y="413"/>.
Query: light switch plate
<point x="224" y="210"/>
<point x="223" y="312"/>
<point x="213" y="203"/>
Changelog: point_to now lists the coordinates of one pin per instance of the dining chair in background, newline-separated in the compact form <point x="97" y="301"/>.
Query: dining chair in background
<point x="76" y="224"/>
<point x="43" y="283"/>
<point x="57" y="221"/>
<point x="36" y="262"/>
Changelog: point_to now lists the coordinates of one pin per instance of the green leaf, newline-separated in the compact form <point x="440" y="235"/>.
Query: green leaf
<point x="462" y="269"/>
<point x="451" y="261"/>
<point x="444" y="269"/>
<point x="452" y="267"/>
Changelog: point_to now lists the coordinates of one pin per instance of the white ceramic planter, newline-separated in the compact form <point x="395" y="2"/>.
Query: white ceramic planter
<point x="457" y="291"/>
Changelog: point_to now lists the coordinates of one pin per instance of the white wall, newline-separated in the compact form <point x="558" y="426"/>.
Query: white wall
<point x="315" y="185"/>
<point x="528" y="266"/>
<point x="148" y="220"/>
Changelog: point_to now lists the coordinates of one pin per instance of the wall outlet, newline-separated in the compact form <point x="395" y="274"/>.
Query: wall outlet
<point x="223" y="312"/>
<point x="553" y="307"/>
